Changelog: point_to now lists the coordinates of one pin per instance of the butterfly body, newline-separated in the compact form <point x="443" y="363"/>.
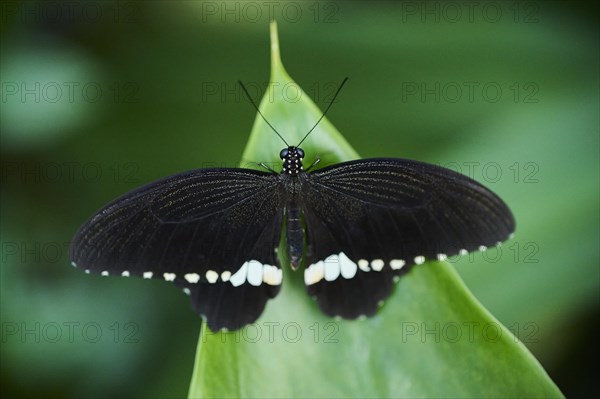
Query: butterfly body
<point x="292" y="175"/>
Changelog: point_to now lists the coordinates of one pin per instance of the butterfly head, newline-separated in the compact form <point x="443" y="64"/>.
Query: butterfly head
<point x="292" y="160"/>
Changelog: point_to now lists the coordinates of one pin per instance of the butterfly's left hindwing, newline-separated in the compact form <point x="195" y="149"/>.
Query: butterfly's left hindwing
<point x="212" y="231"/>
<point x="368" y="221"/>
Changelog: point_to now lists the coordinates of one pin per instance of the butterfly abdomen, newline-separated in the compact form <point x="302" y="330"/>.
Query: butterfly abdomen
<point x="294" y="234"/>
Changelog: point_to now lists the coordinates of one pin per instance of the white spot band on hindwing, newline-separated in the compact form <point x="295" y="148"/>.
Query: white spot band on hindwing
<point x="397" y="264"/>
<point x="334" y="266"/>
<point x="331" y="268"/>
<point x="211" y="276"/>
<point x="254" y="273"/>
<point x="192" y="277"/>
<point x="377" y="264"/>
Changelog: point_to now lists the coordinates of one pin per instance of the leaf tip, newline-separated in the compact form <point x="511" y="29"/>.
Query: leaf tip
<point x="275" y="54"/>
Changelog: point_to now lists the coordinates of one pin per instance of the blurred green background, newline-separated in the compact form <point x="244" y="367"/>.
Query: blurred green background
<point x="101" y="97"/>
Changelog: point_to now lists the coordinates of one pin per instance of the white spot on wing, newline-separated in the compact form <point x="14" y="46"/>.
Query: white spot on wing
<point x="187" y="291"/>
<point x="332" y="267"/>
<point x="377" y="264"/>
<point x="396" y="279"/>
<point x="240" y="276"/>
<point x="397" y="264"/>
<point x="192" y="277"/>
<point x="125" y="273"/>
<point x="482" y="248"/>
<point x="212" y="276"/>
<point x="347" y="267"/>
<point x="147" y="274"/>
<point x="314" y="273"/>
<point x="419" y="260"/>
<point x="255" y="273"/>
<point x="73" y="264"/>
<point x="363" y="264"/>
<point x="463" y="252"/>
<point x="272" y="275"/>
<point x="442" y="257"/>
<point x="226" y="275"/>
<point x="104" y="273"/>
<point x="87" y="271"/>
<point x="169" y="276"/>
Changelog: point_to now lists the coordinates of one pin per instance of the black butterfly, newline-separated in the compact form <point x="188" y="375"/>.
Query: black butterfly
<point x="358" y="225"/>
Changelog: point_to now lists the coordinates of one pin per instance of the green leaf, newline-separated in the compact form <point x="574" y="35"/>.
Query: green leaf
<point x="431" y="339"/>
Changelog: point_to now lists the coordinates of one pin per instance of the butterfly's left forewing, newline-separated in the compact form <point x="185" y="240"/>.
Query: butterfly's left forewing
<point x="368" y="221"/>
<point x="210" y="231"/>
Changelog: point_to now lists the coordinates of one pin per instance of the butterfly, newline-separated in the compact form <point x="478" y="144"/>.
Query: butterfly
<point x="357" y="227"/>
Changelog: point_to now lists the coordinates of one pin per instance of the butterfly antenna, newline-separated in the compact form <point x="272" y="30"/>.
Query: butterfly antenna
<point x="260" y="113"/>
<point x="327" y="109"/>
